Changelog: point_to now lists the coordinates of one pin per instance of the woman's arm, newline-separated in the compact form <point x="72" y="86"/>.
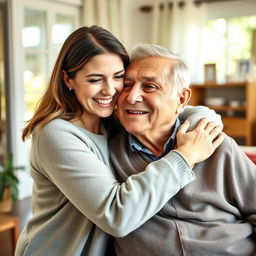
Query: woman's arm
<point x="89" y="184"/>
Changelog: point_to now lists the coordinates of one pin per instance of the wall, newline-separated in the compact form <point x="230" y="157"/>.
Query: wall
<point x="224" y="10"/>
<point x="137" y="24"/>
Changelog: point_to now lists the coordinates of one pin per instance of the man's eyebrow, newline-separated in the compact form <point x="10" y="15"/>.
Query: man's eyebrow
<point x="150" y="78"/>
<point x="153" y="79"/>
<point x="144" y="78"/>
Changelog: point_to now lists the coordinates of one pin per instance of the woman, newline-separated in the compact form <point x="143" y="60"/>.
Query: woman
<point x="76" y="198"/>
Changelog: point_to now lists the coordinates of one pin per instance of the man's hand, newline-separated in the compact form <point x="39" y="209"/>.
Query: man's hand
<point x="198" y="144"/>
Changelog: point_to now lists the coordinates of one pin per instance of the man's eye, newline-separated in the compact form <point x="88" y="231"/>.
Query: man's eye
<point x="127" y="86"/>
<point x="149" y="87"/>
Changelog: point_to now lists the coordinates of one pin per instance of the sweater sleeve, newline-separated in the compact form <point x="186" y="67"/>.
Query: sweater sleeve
<point x="194" y="114"/>
<point x="89" y="184"/>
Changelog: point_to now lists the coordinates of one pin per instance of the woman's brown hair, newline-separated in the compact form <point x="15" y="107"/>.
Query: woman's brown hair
<point x="58" y="101"/>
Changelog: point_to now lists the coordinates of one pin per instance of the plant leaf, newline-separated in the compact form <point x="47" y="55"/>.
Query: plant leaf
<point x="15" y="193"/>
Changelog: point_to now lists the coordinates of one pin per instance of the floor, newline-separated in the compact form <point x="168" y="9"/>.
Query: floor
<point x="22" y="209"/>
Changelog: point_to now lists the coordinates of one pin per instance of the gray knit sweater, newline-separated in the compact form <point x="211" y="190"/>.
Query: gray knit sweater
<point x="214" y="215"/>
<point x="75" y="188"/>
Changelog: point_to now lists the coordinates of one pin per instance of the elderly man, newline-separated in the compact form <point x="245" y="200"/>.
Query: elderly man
<point x="215" y="214"/>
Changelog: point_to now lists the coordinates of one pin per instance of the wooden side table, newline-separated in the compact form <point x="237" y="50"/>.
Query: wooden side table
<point x="12" y="223"/>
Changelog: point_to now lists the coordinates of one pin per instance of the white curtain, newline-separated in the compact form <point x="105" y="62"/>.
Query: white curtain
<point x="104" y="13"/>
<point x="179" y="28"/>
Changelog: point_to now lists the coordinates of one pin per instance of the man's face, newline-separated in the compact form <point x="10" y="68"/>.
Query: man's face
<point x="145" y="106"/>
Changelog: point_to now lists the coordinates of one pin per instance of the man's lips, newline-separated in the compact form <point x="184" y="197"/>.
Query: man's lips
<point x="136" y="112"/>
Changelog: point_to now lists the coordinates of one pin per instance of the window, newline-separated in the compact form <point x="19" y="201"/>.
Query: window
<point x="226" y="42"/>
<point x="32" y="54"/>
<point x="36" y="57"/>
<point x="44" y="32"/>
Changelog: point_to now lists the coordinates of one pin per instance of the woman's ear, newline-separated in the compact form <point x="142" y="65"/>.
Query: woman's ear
<point x="66" y="80"/>
<point x="183" y="100"/>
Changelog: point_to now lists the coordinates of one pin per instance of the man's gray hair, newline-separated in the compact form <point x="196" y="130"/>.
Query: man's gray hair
<point x="180" y="74"/>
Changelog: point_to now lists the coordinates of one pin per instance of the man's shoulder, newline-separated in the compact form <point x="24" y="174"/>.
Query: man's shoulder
<point x="118" y="145"/>
<point x="119" y="138"/>
<point x="229" y="151"/>
<point x="228" y="145"/>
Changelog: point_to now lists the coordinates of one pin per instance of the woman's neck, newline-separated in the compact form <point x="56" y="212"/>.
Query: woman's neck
<point x="89" y="124"/>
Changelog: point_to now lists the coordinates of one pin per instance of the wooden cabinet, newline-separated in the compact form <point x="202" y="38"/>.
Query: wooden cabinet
<point x="236" y="102"/>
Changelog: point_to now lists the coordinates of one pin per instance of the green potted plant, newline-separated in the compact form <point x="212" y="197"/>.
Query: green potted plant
<point x="8" y="184"/>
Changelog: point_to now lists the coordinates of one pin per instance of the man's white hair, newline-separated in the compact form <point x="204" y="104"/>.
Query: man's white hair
<point x="180" y="74"/>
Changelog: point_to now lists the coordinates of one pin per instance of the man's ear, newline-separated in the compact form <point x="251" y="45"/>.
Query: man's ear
<point x="183" y="100"/>
<point x="66" y="80"/>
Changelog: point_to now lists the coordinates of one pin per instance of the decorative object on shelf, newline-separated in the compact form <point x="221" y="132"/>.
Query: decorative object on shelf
<point x="210" y="73"/>
<point x="234" y="103"/>
<point x="8" y="184"/>
<point x="243" y="70"/>
<point x="215" y="101"/>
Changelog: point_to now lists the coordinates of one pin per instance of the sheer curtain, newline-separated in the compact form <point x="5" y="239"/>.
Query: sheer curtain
<point x="178" y="25"/>
<point x="104" y="13"/>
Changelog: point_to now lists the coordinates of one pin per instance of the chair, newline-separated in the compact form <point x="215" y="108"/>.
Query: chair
<point x="252" y="156"/>
<point x="12" y="223"/>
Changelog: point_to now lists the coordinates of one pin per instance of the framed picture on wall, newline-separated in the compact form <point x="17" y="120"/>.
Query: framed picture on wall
<point x="210" y="73"/>
<point x="243" y="69"/>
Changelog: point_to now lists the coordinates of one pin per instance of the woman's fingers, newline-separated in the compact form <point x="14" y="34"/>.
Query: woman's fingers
<point x="215" y="131"/>
<point x="210" y="126"/>
<point x="218" y="140"/>
<point x="202" y="123"/>
<point x="198" y="144"/>
<point x="184" y="127"/>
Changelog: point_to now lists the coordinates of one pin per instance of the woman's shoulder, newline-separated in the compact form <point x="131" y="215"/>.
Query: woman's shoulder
<point x="56" y="128"/>
<point x="58" y="123"/>
<point x="62" y="130"/>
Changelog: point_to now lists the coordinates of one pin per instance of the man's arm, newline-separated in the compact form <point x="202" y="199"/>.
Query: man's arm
<point x="243" y="171"/>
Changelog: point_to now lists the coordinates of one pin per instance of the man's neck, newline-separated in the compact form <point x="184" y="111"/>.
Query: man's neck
<point x="155" y="141"/>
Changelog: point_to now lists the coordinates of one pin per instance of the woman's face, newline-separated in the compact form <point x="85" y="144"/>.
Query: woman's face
<point x="98" y="84"/>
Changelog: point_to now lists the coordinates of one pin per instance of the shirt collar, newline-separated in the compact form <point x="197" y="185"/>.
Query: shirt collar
<point x="136" y="146"/>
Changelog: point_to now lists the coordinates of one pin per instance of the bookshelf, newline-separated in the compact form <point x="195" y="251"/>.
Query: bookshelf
<point x="236" y="102"/>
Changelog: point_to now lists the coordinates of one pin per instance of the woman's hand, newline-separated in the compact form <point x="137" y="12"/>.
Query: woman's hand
<point x="198" y="144"/>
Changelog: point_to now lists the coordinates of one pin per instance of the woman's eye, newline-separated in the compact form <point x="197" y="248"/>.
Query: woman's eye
<point x="119" y="76"/>
<point x="93" y="81"/>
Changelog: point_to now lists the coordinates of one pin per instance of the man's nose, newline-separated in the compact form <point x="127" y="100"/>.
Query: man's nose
<point x="135" y="95"/>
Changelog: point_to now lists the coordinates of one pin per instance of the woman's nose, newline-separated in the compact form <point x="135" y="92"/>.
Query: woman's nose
<point x="109" y="88"/>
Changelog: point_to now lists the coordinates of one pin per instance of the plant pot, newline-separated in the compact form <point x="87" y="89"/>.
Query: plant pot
<point x="6" y="203"/>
